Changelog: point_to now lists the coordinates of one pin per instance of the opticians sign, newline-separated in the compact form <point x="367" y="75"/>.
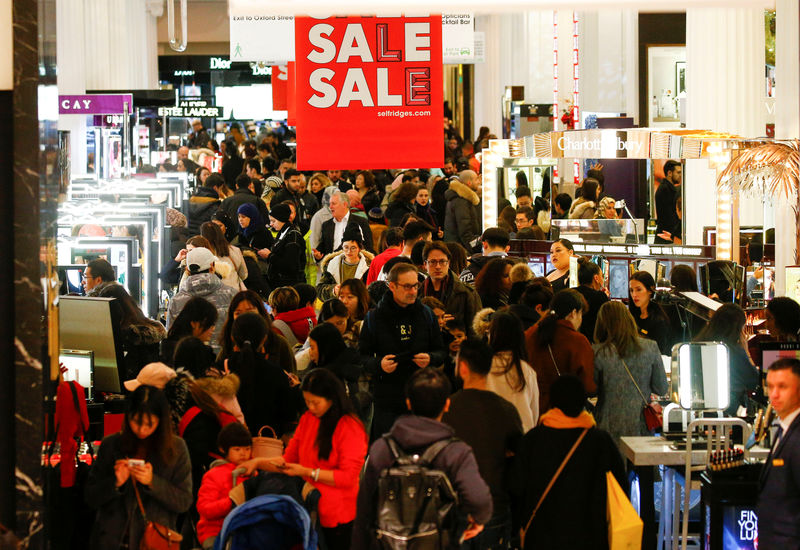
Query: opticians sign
<point x="380" y="75"/>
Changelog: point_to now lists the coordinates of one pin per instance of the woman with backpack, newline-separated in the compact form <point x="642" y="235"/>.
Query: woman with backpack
<point x="328" y="451"/>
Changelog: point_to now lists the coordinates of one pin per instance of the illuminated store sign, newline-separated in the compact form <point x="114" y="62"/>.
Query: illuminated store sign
<point x="191" y="109"/>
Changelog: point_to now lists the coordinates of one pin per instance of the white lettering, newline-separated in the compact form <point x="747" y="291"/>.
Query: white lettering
<point x="355" y="88"/>
<point x="65" y="104"/>
<point x="87" y="103"/>
<point x="317" y="82"/>
<point x="354" y="33"/>
<point x="416" y="39"/>
<point x="283" y="72"/>
<point x="385" y="99"/>
<point x="219" y="63"/>
<point x="316" y="35"/>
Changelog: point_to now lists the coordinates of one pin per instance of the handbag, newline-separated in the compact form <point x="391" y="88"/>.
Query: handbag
<point x="524" y="530"/>
<point x="652" y="417"/>
<point x="156" y="536"/>
<point x="624" y="524"/>
<point x="267" y="447"/>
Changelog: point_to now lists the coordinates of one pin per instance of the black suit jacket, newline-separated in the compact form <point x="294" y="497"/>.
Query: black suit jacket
<point x="779" y="497"/>
<point x="326" y="241"/>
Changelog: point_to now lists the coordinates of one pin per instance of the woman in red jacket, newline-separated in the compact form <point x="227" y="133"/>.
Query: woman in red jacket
<point x="328" y="450"/>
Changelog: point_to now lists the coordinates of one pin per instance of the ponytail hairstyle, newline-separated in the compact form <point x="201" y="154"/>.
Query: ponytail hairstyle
<point x="249" y="334"/>
<point x="323" y="383"/>
<point x="564" y="302"/>
<point x="506" y="334"/>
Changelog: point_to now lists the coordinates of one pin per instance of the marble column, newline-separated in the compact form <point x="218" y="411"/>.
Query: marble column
<point x="787" y="126"/>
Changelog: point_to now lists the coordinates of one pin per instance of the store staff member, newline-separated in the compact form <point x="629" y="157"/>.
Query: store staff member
<point x="666" y="196"/>
<point x="779" y="496"/>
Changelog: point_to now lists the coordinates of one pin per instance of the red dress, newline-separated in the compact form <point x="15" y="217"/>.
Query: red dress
<point x="337" y="504"/>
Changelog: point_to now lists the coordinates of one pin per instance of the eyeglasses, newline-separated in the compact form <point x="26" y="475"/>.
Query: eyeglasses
<point x="437" y="262"/>
<point x="409" y="288"/>
<point x="350" y="248"/>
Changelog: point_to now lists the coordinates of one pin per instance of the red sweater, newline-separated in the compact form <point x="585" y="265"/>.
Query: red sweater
<point x="378" y="262"/>
<point x="298" y="321"/>
<point x="337" y="504"/>
<point x="213" y="502"/>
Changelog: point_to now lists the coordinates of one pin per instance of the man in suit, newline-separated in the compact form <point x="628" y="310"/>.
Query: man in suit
<point x="333" y="229"/>
<point x="779" y="498"/>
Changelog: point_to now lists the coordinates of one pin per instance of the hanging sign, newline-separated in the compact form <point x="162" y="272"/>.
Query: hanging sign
<point x="191" y="109"/>
<point x="379" y="76"/>
<point x="280" y="76"/>
<point x="458" y="38"/>
<point x="291" y="94"/>
<point x="98" y="104"/>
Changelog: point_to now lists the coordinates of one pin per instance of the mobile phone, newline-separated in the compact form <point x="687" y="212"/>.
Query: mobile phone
<point x="135" y="462"/>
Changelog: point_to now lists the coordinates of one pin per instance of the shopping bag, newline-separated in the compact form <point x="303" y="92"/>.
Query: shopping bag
<point x="624" y="524"/>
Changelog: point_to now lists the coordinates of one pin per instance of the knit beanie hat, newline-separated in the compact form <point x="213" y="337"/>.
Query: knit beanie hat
<point x="281" y="212"/>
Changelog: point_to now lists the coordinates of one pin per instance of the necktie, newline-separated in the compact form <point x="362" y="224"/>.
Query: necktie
<point x="778" y="436"/>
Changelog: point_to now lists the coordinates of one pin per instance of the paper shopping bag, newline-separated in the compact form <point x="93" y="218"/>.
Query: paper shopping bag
<point x="624" y="524"/>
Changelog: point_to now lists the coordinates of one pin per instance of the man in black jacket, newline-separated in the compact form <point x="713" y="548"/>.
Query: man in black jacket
<point x="590" y="285"/>
<point x="494" y="242"/>
<point x="460" y="300"/>
<point x="426" y="394"/>
<point x="669" y="189"/>
<point x="462" y="219"/>
<point x="244" y="194"/>
<point x="334" y="228"/>
<point x="305" y="203"/>
<point x="397" y="338"/>
<point x="204" y="202"/>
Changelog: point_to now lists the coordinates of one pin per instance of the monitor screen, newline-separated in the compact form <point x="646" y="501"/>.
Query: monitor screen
<point x="618" y="279"/>
<point x="93" y="324"/>
<point x="79" y="367"/>
<point x="71" y="279"/>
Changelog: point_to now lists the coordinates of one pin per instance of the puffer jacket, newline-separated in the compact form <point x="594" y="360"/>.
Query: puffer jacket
<point x="208" y="286"/>
<point x="462" y="219"/>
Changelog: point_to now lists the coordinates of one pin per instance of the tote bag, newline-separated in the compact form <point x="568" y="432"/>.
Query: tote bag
<point x="624" y="524"/>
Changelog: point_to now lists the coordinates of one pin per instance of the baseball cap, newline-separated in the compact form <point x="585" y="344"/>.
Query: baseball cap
<point x="152" y="374"/>
<point x="199" y="259"/>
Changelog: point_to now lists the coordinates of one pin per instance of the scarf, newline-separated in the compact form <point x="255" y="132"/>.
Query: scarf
<point x="256" y="223"/>
<point x="554" y="418"/>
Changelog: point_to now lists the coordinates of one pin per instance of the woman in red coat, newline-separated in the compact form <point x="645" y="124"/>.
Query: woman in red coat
<point x="556" y="347"/>
<point x="328" y="450"/>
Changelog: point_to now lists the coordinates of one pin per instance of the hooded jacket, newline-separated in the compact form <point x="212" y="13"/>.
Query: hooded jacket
<point x="462" y="219"/>
<point x="331" y="273"/>
<point x="205" y="285"/>
<point x="476" y="262"/>
<point x="414" y="434"/>
<point x="403" y="331"/>
<point x="202" y="205"/>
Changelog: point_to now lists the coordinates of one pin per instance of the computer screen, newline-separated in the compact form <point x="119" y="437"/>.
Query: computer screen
<point x="71" y="278"/>
<point x="79" y="365"/>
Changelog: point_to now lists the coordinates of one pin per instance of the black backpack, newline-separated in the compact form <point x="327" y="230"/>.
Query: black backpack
<point x="416" y="502"/>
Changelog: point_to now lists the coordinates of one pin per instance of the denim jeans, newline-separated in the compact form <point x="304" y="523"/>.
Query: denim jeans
<point x="496" y="534"/>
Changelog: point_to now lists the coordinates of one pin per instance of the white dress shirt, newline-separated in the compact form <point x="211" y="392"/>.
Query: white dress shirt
<point x="338" y="230"/>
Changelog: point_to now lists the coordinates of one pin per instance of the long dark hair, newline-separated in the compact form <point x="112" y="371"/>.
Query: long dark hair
<point x="197" y="309"/>
<point x="725" y="326"/>
<point x="564" y="302"/>
<point x="506" y="334"/>
<point x="653" y="309"/>
<point x="249" y="333"/>
<point x="323" y="383"/>
<point x="131" y="314"/>
<point x="329" y="343"/>
<point x="488" y="281"/>
<point x="148" y="401"/>
<point x="331" y="308"/>
<point x="683" y="278"/>
<point x="219" y="245"/>
<point x="225" y="337"/>
<point x="359" y="290"/>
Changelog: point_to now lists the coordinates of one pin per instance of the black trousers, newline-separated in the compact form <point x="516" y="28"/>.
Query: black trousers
<point x="338" y="538"/>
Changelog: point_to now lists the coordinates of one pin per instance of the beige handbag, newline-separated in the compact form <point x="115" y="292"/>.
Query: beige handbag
<point x="267" y="447"/>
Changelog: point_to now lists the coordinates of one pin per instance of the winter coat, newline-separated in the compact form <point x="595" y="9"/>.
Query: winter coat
<point x="370" y="200"/>
<point x="573" y="355"/>
<point x="337" y="503"/>
<point x="582" y="209"/>
<point x="414" y="434"/>
<point x="141" y="345"/>
<point x="506" y="385"/>
<point x="213" y="502"/>
<point x="241" y="196"/>
<point x="462" y="220"/>
<point x="328" y="228"/>
<point x="461" y="301"/>
<point x="331" y="273"/>
<point x="403" y="331"/>
<point x="287" y="259"/>
<point x="202" y="205"/>
<point x="301" y="321"/>
<point x="305" y="206"/>
<point x="578" y="498"/>
<point x="619" y="405"/>
<point x="396" y="211"/>
<point x="200" y="432"/>
<point x="208" y="286"/>
<point x="476" y="262"/>
<point x="238" y="270"/>
<point x="169" y="494"/>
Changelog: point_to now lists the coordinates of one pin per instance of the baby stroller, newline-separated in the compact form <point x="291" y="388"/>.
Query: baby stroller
<point x="268" y="522"/>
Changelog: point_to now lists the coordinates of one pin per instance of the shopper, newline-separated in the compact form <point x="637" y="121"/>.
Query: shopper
<point x="305" y="203"/>
<point x="511" y="377"/>
<point x="198" y="318"/>
<point x="225" y="253"/>
<point x="727" y="325"/>
<point x="233" y="163"/>
<point x="573" y="513"/>
<point x="351" y="262"/>
<point x="253" y="234"/>
<point x="782" y="318"/>
<point x="402" y="204"/>
<point x="493" y="283"/>
<point x="560" y="253"/>
<point x="317" y="185"/>
<point x="397" y="338"/>
<point x="653" y="323"/>
<point x="534" y="302"/>
<point x="427" y="398"/>
<point x="462" y="221"/>
<point x="204" y="202"/>
<point x="424" y="210"/>
<point x="328" y="350"/>
<point x="97" y="275"/>
<point x="393" y="238"/>
<point x="461" y="302"/>
<point x="555" y="347"/>
<point x="146" y="453"/>
<point x="590" y="286"/>
<point x="332" y="230"/>
<point x="667" y="193"/>
<point x="265" y="395"/>
<point x="328" y="450"/>
<point x="290" y="319"/>
<point x="585" y="206"/>
<point x="244" y="194"/>
<point x="492" y="427"/>
<point x="286" y="259"/>
<point x="494" y="242"/>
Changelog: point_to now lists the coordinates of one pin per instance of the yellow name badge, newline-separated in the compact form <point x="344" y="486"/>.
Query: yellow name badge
<point x="777" y="462"/>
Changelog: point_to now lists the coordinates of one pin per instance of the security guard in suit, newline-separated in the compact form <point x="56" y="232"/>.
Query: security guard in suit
<point x="779" y="496"/>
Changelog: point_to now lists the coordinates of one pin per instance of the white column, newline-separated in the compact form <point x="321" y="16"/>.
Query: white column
<point x="488" y="90"/>
<point x="725" y="92"/>
<point x="70" y="54"/>
<point x="787" y="125"/>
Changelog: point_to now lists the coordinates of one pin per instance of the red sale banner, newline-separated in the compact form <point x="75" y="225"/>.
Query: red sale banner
<point x="369" y="92"/>
<point x="291" y="94"/>
<point x="280" y="74"/>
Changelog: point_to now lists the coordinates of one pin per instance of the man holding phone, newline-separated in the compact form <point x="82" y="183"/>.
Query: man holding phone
<point x="397" y="338"/>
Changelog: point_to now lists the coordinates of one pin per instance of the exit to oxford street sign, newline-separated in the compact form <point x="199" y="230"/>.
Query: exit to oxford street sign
<point x="101" y="104"/>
